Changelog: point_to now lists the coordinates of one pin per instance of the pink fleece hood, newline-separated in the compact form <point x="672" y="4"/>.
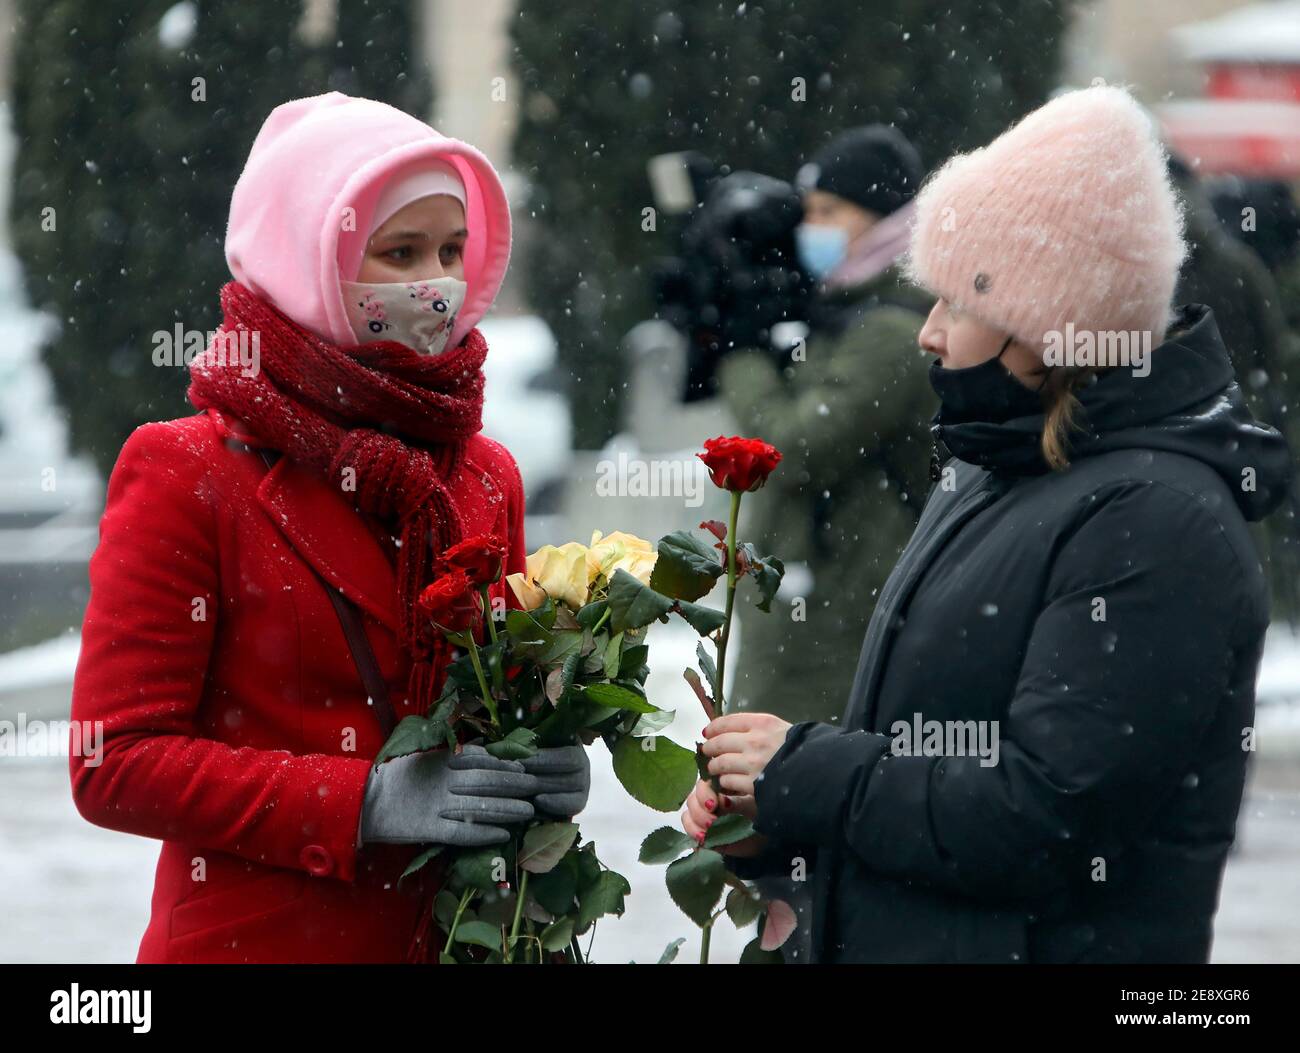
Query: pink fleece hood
<point x="303" y="203"/>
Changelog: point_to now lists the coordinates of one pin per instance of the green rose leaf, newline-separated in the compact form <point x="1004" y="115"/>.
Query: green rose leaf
<point x="520" y="743"/>
<point x="604" y="896"/>
<point x="544" y="846"/>
<point x="563" y="643"/>
<point x="556" y="936"/>
<point x="727" y="830"/>
<point x="655" y="770"/>
<point x="767" y="572"/>
<point x="613" y="655"/>
<point x="695" y="884"/>
<point x="632" y="666"/>
<point x="633" y="604"/>
<point x="535" y="911"/>
<point x="743" y="907"/>
<point x="664" y="845"/>
<point x="420" y="860"/>
<point x="480" y="933"/>
<point x="417" y="734"/>
<point x="612" y="696"/>
<point x="556" y="889"/>
<point x="686" y="568"/>
<point x="670" y="952"/>
<point x="569" y="670"/>
<point x="704" y="620"/>
<point x="444" y="907"/>
<point x="587" y="865"/>
<point x="710" y="670"/>
<point x="530" y="626"/>
<point x="479" y="867"/>
<point x="591" y="614"/>
<point x="702" y="763"/>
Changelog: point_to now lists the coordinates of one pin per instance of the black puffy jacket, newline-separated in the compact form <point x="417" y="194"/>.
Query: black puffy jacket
<point x="1109" y="618"/>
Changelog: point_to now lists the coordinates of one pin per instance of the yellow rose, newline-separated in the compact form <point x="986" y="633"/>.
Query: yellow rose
<point x="560" y="573"/>
<point x="530" y="594"/>
<point x="620" y="551"/>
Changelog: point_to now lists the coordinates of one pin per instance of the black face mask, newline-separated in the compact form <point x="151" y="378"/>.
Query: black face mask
<point x="988" y="392"/>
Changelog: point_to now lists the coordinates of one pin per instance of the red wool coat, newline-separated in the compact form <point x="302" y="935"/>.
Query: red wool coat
<point x="236" y="727"/>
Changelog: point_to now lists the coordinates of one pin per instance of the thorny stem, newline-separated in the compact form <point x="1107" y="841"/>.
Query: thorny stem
<point x="731" y="601"/>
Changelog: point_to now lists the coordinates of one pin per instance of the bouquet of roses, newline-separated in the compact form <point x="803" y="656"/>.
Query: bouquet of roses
<point x="570" y="666"/>
<point x="566" y="667"/>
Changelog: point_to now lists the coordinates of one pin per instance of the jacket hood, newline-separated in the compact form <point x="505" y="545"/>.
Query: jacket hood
<point x="1189" y="403"/>
<point x="302" y="207"/>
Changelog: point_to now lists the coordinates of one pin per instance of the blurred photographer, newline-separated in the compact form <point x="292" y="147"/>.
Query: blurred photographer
<point x="849" y="406"/>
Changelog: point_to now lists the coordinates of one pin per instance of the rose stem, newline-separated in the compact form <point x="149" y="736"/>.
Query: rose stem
<point x="519" y="910"/>
<point x="704" y="942"/>
<point x="465" y="897"/>
<point x="472" y="647"/>
<point x="731" y="600"/>
<point x="487" y="612"/>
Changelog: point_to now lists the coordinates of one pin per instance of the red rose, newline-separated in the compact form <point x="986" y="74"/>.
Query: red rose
<point x="452" y="602"/>
<point x="481" y="558"/>
<point x="739" y="464"/>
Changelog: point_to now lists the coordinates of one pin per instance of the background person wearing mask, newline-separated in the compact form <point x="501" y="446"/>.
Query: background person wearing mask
<point x="849" y="409"/>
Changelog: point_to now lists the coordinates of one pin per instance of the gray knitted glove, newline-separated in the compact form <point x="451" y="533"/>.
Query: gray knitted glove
<point x="446" y="798"/>
<point x="564" y="774"/>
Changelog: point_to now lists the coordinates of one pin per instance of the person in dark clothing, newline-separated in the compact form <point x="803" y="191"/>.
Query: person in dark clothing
<point x="856" y="384"/>
<point x="1043" y="752"/>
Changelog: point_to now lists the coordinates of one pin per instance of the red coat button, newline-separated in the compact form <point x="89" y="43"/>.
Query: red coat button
<point x="317" y="860"/>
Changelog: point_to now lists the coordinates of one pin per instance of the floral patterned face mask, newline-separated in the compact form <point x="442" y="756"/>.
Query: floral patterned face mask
<point x="419" y="314"/>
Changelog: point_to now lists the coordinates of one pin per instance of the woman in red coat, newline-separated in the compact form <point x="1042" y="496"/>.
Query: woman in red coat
<point x="337" y="447"/>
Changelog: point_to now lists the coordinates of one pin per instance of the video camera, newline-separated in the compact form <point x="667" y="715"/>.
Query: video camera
<point x="736" y="275"/>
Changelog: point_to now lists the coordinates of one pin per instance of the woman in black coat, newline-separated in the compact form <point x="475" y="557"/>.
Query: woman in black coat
<point x="1043" y="753"/>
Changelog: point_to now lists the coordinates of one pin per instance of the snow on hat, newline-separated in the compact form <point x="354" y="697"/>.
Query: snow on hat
<point x="1067" y="217"/>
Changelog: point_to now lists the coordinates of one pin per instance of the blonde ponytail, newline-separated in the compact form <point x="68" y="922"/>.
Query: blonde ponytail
<point x="1060" y="407"/>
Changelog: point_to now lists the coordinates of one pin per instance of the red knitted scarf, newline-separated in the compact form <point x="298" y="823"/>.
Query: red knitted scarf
<point x="384" y="423"/>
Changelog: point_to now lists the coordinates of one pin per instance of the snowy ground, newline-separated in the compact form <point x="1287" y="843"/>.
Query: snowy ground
<point x="75" y="892"/>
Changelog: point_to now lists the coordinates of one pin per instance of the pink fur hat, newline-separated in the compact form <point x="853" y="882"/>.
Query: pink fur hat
<point x="1067" y="217"/>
